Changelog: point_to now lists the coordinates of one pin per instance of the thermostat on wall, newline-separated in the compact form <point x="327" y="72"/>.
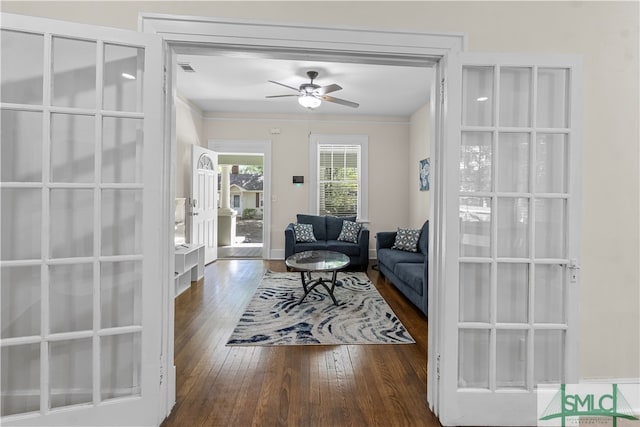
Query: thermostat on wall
<point x="298" y="179"/>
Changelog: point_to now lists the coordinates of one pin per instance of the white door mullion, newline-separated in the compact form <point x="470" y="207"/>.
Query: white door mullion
<point x="97" y="221"/>
<point x="530" y="375"/>
<point x="495" y="159"/>
<point x="46" y="222"/>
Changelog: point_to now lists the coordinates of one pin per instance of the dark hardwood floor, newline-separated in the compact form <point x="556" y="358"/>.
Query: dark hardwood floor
<point x="348" y="385"/>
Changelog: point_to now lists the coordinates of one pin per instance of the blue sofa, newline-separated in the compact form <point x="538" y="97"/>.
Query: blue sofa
<point x="326" y="230"/>
<point x="407" y="271"/>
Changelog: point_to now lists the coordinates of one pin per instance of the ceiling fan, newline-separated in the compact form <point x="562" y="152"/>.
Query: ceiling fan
<point x="311" y="95"/>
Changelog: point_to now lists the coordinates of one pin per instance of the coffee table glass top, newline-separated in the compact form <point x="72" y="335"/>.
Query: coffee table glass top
<point x="318" y="261"/>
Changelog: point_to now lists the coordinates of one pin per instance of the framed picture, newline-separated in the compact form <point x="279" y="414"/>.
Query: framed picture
<point x="425" y="174"/>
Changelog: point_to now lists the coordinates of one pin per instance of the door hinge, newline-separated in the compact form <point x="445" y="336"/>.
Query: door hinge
<point x="437" y="366"/>
<point x="161" y="374"/>
<point x="442" y="91"/>
<point x="164" y="80"/>
<point x="573" y="270"/>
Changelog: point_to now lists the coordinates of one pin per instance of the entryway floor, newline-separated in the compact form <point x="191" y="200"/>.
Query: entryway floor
<point x="242" y="250"/>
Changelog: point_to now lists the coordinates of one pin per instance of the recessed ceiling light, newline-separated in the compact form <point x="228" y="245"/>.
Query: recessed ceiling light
<point x="482" y="99"/>
<point x="128" y="76"/>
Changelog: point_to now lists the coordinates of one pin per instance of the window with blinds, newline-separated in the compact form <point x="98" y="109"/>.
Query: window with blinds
<point x="339" y="175"/>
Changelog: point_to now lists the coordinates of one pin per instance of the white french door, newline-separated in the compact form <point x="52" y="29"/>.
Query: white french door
<point x="203" y="203"/>
<point x="508" y="321"/>
<point x="81" y="234"/>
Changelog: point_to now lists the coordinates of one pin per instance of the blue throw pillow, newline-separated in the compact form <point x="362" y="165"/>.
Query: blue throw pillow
<point x="407" y="240"/>
<point x="304" y="233"/>
<point x="350" y="231"/>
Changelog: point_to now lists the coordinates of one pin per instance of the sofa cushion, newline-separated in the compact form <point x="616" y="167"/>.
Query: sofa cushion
<point x="407" y="239"/>
<point x="391" y="257"/>
<point x="320" y="245"/>
<point x="319" y="224"/>
<point x="346" y="248"/>
<point x="304" y="233"/>
<point x="411" y="274"/>
<point x="334" y="226"/>
<point x="350" y="231"/>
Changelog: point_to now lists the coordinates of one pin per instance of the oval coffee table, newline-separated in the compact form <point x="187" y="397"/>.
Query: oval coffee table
<point x="315" y="262"/>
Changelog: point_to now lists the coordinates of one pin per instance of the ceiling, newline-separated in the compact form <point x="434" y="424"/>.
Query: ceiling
<point x="240" y="84"/>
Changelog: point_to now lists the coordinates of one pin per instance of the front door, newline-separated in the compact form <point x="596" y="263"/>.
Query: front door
<point x="80" y="185"/>
<point x="203" y="203"/>
<point x="508" y="319"/>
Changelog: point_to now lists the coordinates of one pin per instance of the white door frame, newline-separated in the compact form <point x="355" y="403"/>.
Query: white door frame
<point x="220" y="36"/>
<point x="251" y="146"/>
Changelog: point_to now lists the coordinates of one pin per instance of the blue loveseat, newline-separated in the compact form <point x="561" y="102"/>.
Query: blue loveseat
<point x="326" y="230"/>
<point x="407" y="271"/>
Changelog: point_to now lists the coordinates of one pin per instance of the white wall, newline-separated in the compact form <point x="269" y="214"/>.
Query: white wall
<point x="605" y="33"/>
<point x="419" y="148"/>
<point x="388" y="154"/>
<point x="188" y="133"/>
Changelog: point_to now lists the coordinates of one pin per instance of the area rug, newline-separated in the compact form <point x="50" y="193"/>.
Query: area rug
<point x="274" y="317"/>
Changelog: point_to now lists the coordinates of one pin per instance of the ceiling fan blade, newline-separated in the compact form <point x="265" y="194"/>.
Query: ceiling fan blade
<point x="278" y="96"/>
<point x="327" y="89"/>
<point x="282" y="84"/>
<point x="340" y="101"/>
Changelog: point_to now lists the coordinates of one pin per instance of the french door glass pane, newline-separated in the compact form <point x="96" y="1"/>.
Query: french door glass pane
<point x="121" y="222"/>
<point x="475" y="226"/>
<point x="20" y="380"/>
<point x="71" y="297"/>
<point x="21" y="297"/>
<point x="473" y="363"/>
<point x="477" y="96"/>
<point x="475" y="161"/>
<point x="74" y="73"/>
<point x="475" y="292"/>
<point x="549" y="293"/>
<point x="21" y="59"/>
<point x="513" y="227"/>
<point x="513" y="293"/>
<point x="551" y="158"/>
<point x="72" y="148"/>
<point x="21" y="223"/>
<point x="511" y="358"/>
<point x="72" y="223"/>
<point x="553" y="86"/>
<point x="549" y="356"/>
<point x="123" y="70"/>
<point x="515" y="97"/>
<point x="21" y="148"/>
<point x="550" y="228"/>
<point x="122" y="150"/>
<point x="120" y="365"/>
<point x="120" y="292"/>
<point x="70" y="372"/>
<point x="513" y="164"/>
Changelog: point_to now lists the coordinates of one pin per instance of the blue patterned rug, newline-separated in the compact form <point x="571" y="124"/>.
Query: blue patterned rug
<point x="273" y="316"/>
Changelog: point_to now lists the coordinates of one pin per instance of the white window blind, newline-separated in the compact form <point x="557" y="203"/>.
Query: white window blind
<point x="339" y="179"/>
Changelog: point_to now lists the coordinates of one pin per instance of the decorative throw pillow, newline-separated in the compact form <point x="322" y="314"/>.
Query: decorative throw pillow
<point x="304" y="233"/>
<point x="349" y="231"/>
<point x="407" y="240"/>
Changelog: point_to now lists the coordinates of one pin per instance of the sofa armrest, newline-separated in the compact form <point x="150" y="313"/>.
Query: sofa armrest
<point x="385" y="239"/>
<point x="289" y="241"/>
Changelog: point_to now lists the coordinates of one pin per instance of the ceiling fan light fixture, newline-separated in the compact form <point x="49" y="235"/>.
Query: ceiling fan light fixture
<point x="309" y="101"/>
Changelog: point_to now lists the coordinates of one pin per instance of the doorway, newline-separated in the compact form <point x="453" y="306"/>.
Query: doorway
<point x="246" y="197"/>
<point x="227" y="38"/>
